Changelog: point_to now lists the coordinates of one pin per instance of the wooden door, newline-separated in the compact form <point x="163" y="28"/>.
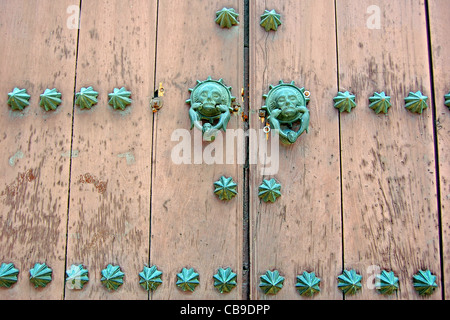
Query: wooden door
<point x="190" y="226"/>
<point x="134" y="188"/>
<point x="301" y="231"/>
<point x="360" y="190"/>
<point x="389" y="194"/>
<point x="36" y="144"/>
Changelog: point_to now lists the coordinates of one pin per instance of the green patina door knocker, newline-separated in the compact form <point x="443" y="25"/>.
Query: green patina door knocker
<point x="211" y="107"/>
<point x="286" y="111"/>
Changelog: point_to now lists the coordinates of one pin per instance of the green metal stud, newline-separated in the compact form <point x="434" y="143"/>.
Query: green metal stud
<point x="77" y="277"/>
<point x="349" y="282"/>
<point x="269" y="190"/>
<point x="270" y="20"/>
<point x="120" y="98"/>
<point x="308" y="284"/>
<point x="40" y="275"/>
<point x="18" y="99"/>
<point x="386" y="282"/>
<point x="227" y="18"/>
<point x="211" y="107"/>
<point x="150" y="278"/>
<point x="50" y="99"/>
<point x="112" y="277"/>
<point x="271" y="282"/>
<point x="225" y="280"/>
<point x="380" y="102"/>
<point x="8" y="275"/>
<point x="344" y="101"/>
<point x="416" y="102"/>
<point x="86" y="98"/>
<point x="225" y="188"/>
<point x="447" y="100"/>
<point x="286" y="110"/>
<point x="187" y="280"/>
<point x="424" y="282"/>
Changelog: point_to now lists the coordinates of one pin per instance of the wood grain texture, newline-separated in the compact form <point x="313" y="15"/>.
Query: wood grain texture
<point x="390" y="218"/>
<point x="439" y="26"/>
<point x="301" y="231"/>
<point x="111" y="167"/>
<point x="190" y="226"/>
<point x="37" y="52"/>
<point x="358" y="191"/>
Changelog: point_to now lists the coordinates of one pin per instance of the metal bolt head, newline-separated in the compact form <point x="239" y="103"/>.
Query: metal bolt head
<point x="150" y="278"/>
<point x="270" y="20"/>
<point x="40" y="275"/>
<point x="447" y="100"/>
<point x="8" y="275"/>
<point x="112" y="277"/>
<point x="225" y="280"/>
<point x="77" y="277"/>
<point x="424" y="282"/>
<point x="18" y="99"/>
<point x="227" y="17"/>
<point x="271" y="282"/>
<point x="349" y="282"/>
<point x="416" y="102"/>
<point x="187" y="280"/>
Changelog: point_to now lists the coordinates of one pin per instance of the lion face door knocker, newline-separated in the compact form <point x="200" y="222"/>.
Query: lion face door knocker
<point x="211" y="106"/>
<point x="286" y="111"/>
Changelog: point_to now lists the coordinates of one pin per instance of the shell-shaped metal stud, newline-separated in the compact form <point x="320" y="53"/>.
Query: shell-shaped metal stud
<point x="50" y="99"/>
<point x="344" y="101"/>
<point x="271" y="282"/>
<point x="349" y="282"/>
<point x="269" y="190"/>
<point x="225" y="280"/>
<point x="447" y="100"/>
<point x="386" y="282"/>
<point x="40" y="275"/>
<point x="112" y="277"/>
<point x="187" y="279"/>
<point x="424" y="282"/>
<point x="8" y="275"/>
<point x="86" y="98"/>
<point x="18" y="99"/>
<point x="77" y="277"/>
<point x="308" y="284"/>
<point x="225" y="188"/>
<point x="150" y="278"/>
<point x="270" y="20"/>
<point x="416" y="102"/>
<point x="227" y="17"/>
<point x="120" y="98"/>
<point x="380" y="102"/>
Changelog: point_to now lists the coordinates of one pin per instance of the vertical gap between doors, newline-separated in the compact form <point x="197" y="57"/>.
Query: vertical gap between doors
<point x="71" y="146"/>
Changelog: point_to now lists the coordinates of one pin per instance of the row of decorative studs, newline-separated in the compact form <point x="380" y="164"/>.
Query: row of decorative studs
<point x="18" y="99"/>
<point x="225" y="189"/>
<point x="349" y="282"/>
<point x="415" y="102"/>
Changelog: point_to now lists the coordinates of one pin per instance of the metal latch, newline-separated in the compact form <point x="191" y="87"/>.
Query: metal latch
<point x="157" y="101"/>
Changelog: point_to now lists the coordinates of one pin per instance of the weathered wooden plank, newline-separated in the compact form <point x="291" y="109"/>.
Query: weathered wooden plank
<point x="390" y="218"/>
<point x="111" y="167"/>
<point x="439" y="26"/>
<point x="37" y="52"/>
<point x="301" y="231"/>
<point x="190" y="226"/>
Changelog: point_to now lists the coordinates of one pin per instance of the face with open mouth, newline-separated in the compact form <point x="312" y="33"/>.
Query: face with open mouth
<point x="287" y="102"/>
<point x="209" y="98"/>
